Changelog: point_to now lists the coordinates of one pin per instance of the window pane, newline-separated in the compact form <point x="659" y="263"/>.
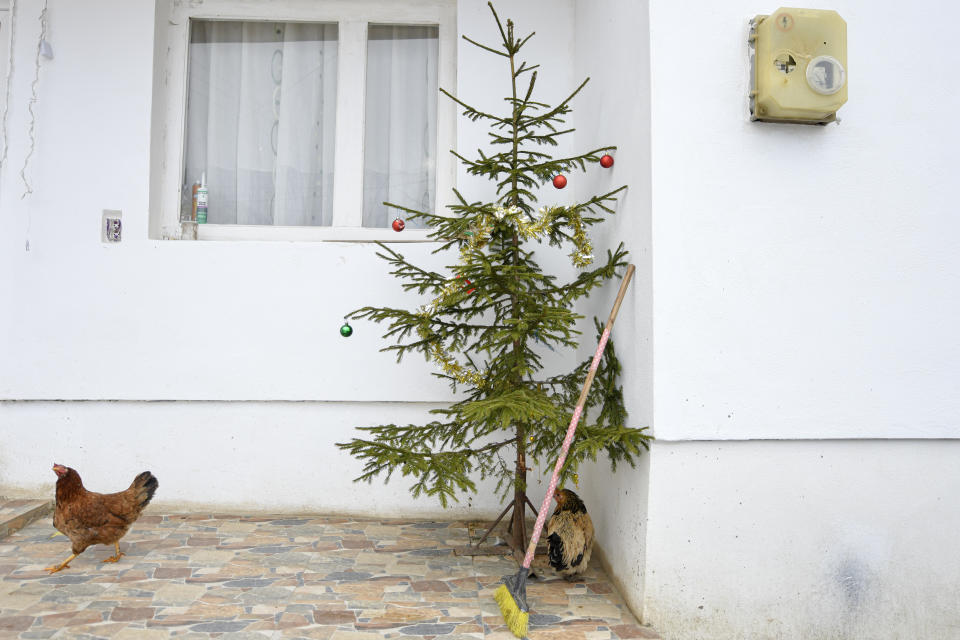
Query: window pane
<point x="401" y="121"/>
<point x="261" y="109"/>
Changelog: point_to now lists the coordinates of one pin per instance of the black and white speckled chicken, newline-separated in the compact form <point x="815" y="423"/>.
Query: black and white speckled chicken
<point x="569" y="535"/>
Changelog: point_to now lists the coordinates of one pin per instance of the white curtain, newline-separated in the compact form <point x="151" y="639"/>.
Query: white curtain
<point x="261" y="114"/>
<point x="401" y="121"/>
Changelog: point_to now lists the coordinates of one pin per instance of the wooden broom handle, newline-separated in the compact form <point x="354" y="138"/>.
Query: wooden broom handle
<point x="606" y="333"/>
<point x="571" y="430"/>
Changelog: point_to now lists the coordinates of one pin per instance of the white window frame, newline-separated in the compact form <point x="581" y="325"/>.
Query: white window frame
<point x="353" y="17"/>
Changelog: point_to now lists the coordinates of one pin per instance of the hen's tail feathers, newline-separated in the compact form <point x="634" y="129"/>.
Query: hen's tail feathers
<point x="555" y="552"/>
<point x="146" y="485"/>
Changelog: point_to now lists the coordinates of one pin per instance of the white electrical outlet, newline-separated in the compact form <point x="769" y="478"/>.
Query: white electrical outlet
<point x="111" y="225"/>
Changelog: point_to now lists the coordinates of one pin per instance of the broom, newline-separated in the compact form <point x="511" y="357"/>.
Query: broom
<point x="511" y="596"/>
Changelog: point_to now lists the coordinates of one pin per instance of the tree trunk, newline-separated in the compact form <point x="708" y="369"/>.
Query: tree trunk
<point x="518" y="540"/>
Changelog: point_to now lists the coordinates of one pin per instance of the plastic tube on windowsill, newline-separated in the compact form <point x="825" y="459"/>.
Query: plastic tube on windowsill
<point x="202" y="197"/>
<point x="193" y="211"/>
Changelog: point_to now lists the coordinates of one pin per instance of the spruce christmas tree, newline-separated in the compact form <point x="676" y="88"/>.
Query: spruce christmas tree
<point x="490" y="319"/>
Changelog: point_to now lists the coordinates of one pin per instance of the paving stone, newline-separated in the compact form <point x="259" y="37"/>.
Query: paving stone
<point x="124" y="614"/>
<point x="300" y="608"/>
<point x="73" y="592"/>
<point x="355" y="635"/>
<point x="67" y="579"/>
<point x="249" y="582"/>
<point x="428" y="629"/>
<point x="271" y="549"/>
<point x="429" y="585"/>
<point x="540" y="619"/>
<point x="163" y="573"/>
<point x="265" y="595"/>
<point x="284" y="621"/>
<point x="626" y="631"/>
<point x="15" y="623"/>
<point x="335" y="617"/>
<point x="202" y="610"/>
<point x="220" y="626"/>
<point x="71" y="618"/>
<point x="39" y="633"/>
<point x="173" y="593"/>
<point x="207" y="557"/>
<point x="141" y="634"/>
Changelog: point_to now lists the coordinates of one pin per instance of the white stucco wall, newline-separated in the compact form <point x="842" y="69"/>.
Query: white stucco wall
<point x="612" y="49"/>
<point x="804" y="292"/>
<point x="852" y="540"/>
<point x="243" y="456"/>
<point x="150" y="319"/>
<point x="805" y="277"/>
<point x="237" y="338"/>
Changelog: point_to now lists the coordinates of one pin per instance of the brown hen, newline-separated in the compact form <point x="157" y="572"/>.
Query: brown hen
<point x="569" y="535"/>
<point x="88" y="518"/>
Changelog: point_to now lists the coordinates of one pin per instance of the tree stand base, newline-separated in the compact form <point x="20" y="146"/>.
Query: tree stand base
<point x="506" y="548"/>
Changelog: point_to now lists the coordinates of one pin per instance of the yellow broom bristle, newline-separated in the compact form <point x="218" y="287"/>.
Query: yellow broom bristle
<point x="516" y="620"/>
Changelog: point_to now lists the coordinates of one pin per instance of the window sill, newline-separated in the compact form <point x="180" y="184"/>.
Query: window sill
<point x="237" y="232"/>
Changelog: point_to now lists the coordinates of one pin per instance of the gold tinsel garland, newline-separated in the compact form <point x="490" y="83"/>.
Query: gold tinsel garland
<point x="581" y="256"/>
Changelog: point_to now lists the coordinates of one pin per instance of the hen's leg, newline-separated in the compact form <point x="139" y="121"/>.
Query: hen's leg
<point x="115" y="558"/>
<point x="63" y="565"/>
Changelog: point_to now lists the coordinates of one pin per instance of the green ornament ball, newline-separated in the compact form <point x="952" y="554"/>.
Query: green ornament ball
<point x="346" y="330"/>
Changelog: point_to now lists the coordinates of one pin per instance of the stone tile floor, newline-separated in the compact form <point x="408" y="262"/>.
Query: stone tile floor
<point x="245" y="577"/>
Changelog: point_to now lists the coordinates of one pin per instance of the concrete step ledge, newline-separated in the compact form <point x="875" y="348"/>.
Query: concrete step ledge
<point x="16" y="514"/>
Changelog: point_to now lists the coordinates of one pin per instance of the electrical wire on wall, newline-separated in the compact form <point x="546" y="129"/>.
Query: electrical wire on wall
<point x="43" y="48"/>
<point x="9" y="90"/>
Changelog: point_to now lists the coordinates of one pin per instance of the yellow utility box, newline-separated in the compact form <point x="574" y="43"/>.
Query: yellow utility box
<point x="799" y="66"/>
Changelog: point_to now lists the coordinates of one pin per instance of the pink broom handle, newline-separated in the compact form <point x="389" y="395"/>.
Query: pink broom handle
<point x="572" y="429"/>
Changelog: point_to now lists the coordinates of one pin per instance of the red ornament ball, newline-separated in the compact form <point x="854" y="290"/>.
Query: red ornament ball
<point x="606" y="161"/>
<point x="559" y="181"/>
<point x="469" y="284"/>
<point x="398" y="225"/>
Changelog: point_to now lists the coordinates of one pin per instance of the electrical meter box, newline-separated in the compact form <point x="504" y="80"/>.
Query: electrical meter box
<point x="799" y="60"/>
